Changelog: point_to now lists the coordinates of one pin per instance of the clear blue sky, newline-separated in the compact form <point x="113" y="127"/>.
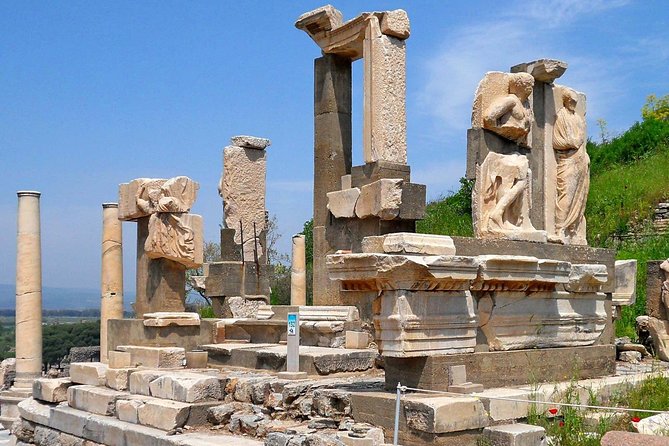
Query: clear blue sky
<point x="93" y="94"/>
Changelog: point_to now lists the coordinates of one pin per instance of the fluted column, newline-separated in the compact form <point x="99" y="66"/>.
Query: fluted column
<point x="111" y="304"/>
<point x="28" y="290"/>
<point x="298" y="273"/>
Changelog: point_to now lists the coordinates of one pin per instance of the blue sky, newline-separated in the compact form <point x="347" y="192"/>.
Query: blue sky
<point x="93" y="94"/>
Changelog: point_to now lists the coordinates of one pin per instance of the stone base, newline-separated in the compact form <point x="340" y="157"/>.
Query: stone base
<point x="292" y="375"/>
<point x="498" y="369"/>
<point x="9" y="400"/>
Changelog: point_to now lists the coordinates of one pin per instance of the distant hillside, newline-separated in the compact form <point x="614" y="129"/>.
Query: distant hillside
<point x="61" y="298"/>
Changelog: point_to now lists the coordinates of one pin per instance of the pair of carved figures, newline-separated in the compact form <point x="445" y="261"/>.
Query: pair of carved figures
<point x="504" y="180"/>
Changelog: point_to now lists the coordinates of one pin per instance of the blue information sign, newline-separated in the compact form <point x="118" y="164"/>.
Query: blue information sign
<point x="292" y="324"/>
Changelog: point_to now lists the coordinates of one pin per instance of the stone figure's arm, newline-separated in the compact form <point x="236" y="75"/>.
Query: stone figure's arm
<point x="496" y="110"/>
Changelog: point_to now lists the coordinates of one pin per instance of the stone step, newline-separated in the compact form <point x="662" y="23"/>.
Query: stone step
<point x="162" y="414"/>
<point x="313" y="360"/>
<point x="114" y="432"/>
<point x="155" y="357"/>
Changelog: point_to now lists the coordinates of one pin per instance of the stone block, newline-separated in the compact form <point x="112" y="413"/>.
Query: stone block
<point x="445" y="414"/>
<point x="98" y="400"/>
<point x="31" y="410"/>
<point x="156" y="357"/>
<point x="504" y="410"/>
<point x="197" y="359"/>
<point x="342" y="202"/>
<point x="625" y="291"/>
<point x="457" y="374"/>
<point x="140" y="381"/>
<point x="654" y="425"/>
<point x="413" y="201"/>
<point x="374" y="171"/>
<point x="176" y="237"/>
<point x="619" y="438"/>
<point x="166" y="319"/>
<point x="186" y="387"/>
<point x="396" y="23"/>
<point x="292" y="376"/>
<point x="225" y="279"/>
<point x="417" y="244"/>
<point x="544" y="70"/>
<point x="163" y="414"/>
<point x="518" y="434"/>
<point x="119" y="360"/>
<point x="325" y="18"/>
<point x="128" y="410"/>
<point x="587" y="278"/>
<point x="89" y="373"/>
<point x="465" y="388"/>
<point x="346" y="182"/>
<point x="146" y="196"/>
<point x="119" y="379"/>
<point x="381" y="199"/>
<point x="357" y="339"/>
<point x="654" y="278"/>
<point x="250" y="142"/>
<point x="51" y="390"/>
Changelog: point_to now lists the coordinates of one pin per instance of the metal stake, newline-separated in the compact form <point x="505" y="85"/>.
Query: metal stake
<point x="397" y="414"/>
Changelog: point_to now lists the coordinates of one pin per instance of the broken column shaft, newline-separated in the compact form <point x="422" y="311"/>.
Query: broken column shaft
<point x="111" y="280"/>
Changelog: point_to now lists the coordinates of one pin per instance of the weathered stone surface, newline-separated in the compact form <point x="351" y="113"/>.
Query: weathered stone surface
<point x="630" y="356"/>
<point x="544" y="70"/>
<point x="163" y="414"/>
<point x="659" y="333"/>
<point x="119" y="360"/>
<point x="518" y="434"/>
<point x="250" y="142"/>
<point x="586" y="278"/>
<point x="325" y="18"/>
<point x="197" y="360"/>
<point x="625" y="291"/>
<point x="51" y="390"/>
<point x="243" y="191"/>
<point x="422" y="244"/>
<point x="90" y="373"/>
<point x="381" y="199"/>
<point x="502" y="410"/>
<point x="146" y="196"/>
<point x="98" y="400"/>
<point x="396" y="23"/>
<point x="156" y="357"/>
<point x="45" y="436"/>
<point x="221" y="414"/>
<point x="342" y="202"/>
<point x="654" y="425"/>
<point x="445" y="414"/>
<point x="357" y="339"/>
<point x="619" y="438"/>
<point x="165" y="319"/>
<point x="33" y="411"/>
<point x="186" y="387"/>
<point x="7" y="373"/>
<point x="119" y="379"/>
<point x="176" y="237"/>
<point x="140" y="381"/>
<point x="128" y="410"/>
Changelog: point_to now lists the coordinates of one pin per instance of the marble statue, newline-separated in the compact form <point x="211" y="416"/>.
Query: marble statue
<point x="573" y="170"/>
<point x="510" y="115"/>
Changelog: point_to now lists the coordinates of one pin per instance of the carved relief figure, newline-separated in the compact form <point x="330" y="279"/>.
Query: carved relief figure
<point x="573" y="170"/>
<point x="510" y="116"/>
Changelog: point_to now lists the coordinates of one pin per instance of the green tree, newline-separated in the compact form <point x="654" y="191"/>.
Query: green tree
<point x="656" y="108"/>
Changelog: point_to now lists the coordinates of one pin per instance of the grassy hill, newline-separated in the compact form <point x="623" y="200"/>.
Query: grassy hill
<point x="629" y="176"/>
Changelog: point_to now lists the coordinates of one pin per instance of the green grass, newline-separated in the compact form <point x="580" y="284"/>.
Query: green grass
<point x="450" y="215"/>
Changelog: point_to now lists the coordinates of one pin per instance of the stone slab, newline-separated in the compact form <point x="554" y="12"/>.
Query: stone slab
<point x="250" y="142"/>
<point x="341" y="203"/>
<point x="654" y="278"/>
<point x="98" y="400"/>
<point x="371" y="172"/>
<point x="119" y="360"/>
<point x="133" y="332"/>
<point x="357" y="339"/>
<point x="619" y="438"/>
<point x="89" y="373"/>
<point x="197" y="360"/>
<point x="140" y="381"/>
<point x="410" y="243"/>
<point x="156" y="357"/>
<point x="225" y="279"/>
<point x="186" y="387"/>
<point x="625" y="292"/>
<point x="119" y="379"/>
<point x="498" y="369"/>
<point x="51" y="390"/>
<point x="518" y="434"/>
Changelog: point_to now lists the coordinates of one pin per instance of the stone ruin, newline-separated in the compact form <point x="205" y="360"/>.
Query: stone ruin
<point x="523" y="302"/>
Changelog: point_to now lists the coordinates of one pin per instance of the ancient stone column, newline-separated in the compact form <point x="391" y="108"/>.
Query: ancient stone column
<point x="111" y="281"/>
<point x="298" y="272"/>
<point x="28" y="291"/>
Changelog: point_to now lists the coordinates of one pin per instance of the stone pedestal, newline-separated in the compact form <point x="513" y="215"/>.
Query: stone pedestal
<point x="111" y="304"/>
<point x="298" y="272"/>
<point x="161" y="283"/>
<point x="28" y="291"/>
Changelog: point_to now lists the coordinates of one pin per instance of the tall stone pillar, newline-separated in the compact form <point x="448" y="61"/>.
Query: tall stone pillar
<point x="298" y="272"/>
<point x="28" y="291"/>
<point x="111" y="281"/>
<point x="332" y="158"/>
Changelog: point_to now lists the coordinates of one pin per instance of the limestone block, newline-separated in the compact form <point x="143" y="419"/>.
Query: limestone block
<point x="381" y="199"/>
<point x="144" y="196"/>
<point x="396" y="23"/>
<point x="659" y="333"/>
<point x="243" y="192"/>
<point x="156" y="357"/>
<point x="518" y="434"/>
<point x="177" y="237"/>
<point x="357" y="339"/>
<point x="186" y="387"/>
<point x="413" y="201"/>
<point x="384" y="105"/>
<point x="197" y="360"/>
<point x="250" y="142"/>
<point x="654" y="425"/>
<point x="119" y="360"/>
<point x="7" y="373"/>
<point x="90" y="373"/>
<point x="119" y="378"/>
<point x="377" y="170"/>
<point x="165" y="319"/>
<point x="625" y="291"/>
<point x="586" y="278"/>
<point x="502" y="410"/>
<point x="127" y="410"/>
<point x="163" y="414"/>
<point x="343" y="313"/>
<point x="51" y="390"/>
<point x="140" y="381"/>
<point x="457" y="374"/>
<point x="466" y="388"/>
<point x="620" y="438"/>
<point x="445" y="414"/>
<point x="418" y="244"/>
<point x="33" y="411"/>
<point x="544" y="70"/>
<point x="325" y="18"/>
<point x="524" y="270"/>
<point x="93" y="399"/>
<point x="342" y="202"/>
<point x="346" y="182"/>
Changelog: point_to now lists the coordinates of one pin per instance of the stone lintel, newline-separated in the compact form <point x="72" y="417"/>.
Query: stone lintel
<point x="377" y="170"/>
<point x="543" y="70"/>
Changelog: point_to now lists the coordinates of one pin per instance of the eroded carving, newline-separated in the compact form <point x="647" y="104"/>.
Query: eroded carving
<point x="510" y="115"/>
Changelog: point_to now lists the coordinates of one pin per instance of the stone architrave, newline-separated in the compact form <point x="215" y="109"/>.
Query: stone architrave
<point x="111" y="280"/>
<point x="28" y="291"/>
<point x="298" y="272"/>
<point x="242" y="188"/>
<point x="572" y="166"/>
